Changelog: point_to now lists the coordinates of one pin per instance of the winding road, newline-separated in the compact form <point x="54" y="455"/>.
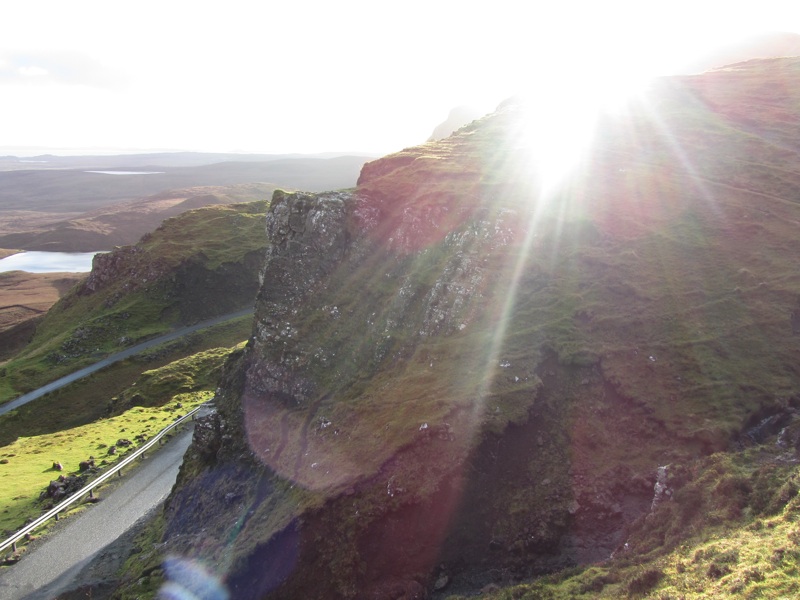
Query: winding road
<point x="122" y="355"/>
<point x="51" y="567"/>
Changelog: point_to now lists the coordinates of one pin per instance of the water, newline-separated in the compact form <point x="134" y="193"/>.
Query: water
<point x="127" y="172"/>
<point x="48" y="262"/>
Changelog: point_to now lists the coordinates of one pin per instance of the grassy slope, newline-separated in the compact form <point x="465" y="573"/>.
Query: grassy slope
<point x="145" y="298"/>
<point x="28" y="462"/>
<point x="142" y="409"/>
<point x="32" y="431"/>
<point x="90" y="399"/>
<point x="682" y="286"/>
<point x="730" y="532"/>
<point x="669" y="242"/>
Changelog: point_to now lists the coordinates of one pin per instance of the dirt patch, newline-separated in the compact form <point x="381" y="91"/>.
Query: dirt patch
<point x="25" y="295"/>
<point x="24" y="298"/>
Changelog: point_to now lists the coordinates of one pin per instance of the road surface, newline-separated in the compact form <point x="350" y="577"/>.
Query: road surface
<point x="50" y="567"/>
<point x="110" y="360"/>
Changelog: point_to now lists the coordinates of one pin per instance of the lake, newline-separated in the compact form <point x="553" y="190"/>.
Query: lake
<point x="48" y="262"/>
<point x="127" y="172"/>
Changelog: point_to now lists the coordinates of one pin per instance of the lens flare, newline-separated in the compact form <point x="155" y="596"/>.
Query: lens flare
<point x="189" y="580"/>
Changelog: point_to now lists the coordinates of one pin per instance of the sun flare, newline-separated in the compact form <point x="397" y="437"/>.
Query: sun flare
<point x="559" y="125"/>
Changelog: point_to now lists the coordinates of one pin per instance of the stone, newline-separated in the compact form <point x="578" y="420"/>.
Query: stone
<point x="661" y="490"/>
<point x="441" y="582"/>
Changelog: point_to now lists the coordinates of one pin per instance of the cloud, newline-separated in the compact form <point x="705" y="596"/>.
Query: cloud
<point x="65" y="68"/>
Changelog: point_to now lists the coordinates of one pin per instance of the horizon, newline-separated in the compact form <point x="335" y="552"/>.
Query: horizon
<point x="22" y="152"/>
<point x="312" y="78"/>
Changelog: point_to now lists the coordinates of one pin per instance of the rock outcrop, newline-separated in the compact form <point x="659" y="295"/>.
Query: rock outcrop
<point x="458" y="117"/>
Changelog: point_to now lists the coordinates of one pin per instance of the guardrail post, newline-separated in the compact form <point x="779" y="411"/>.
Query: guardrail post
<point x="119" y="472"/>
<point x="56" y="516"/>
<point x="14" y="546"/>
<point x="91" y="493"/>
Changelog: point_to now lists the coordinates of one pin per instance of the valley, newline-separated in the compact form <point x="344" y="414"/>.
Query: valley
<point x="72" y="204"/>
<point x="66" y="204"/>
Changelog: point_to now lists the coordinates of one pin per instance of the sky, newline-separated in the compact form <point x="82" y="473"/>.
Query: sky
<point x="320" y="76"/>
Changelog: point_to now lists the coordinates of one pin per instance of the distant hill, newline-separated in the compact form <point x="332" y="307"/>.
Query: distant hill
<point x="766" y="45"/>
<point x="24" y="300"/>
<point x="124" y="223"/>
<point x="72" y="208"/>
<point x="12" y="162"/>
<point x="78" y="190"/>
<point x="458" y="117"/>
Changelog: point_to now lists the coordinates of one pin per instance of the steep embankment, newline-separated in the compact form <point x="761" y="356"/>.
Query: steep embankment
<point x="198" y="265"/>
<point x="464" y="374"/>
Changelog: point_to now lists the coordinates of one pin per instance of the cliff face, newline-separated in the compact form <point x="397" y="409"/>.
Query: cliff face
<point x="460" y="376"/>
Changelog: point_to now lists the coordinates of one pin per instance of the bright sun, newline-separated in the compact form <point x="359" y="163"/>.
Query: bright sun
<point x="559" y="124"/>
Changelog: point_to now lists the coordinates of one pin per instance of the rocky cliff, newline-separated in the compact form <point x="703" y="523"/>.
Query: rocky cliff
<point x="462" y="376"/>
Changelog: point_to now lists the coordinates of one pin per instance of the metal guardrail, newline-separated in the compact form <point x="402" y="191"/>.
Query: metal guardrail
<point x="89" y="487"/>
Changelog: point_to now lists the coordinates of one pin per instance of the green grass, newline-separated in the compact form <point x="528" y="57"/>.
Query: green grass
<point x="731" y="531"/>
<point x="90" y="399"/>
<point x="200" y="371"/>
<point x="26" y="465"/>
<point x="143" y="408"/>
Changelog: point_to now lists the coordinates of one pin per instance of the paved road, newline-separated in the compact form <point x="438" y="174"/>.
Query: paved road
<point x="51" y="566"/>
<point x="127" y="353"/>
